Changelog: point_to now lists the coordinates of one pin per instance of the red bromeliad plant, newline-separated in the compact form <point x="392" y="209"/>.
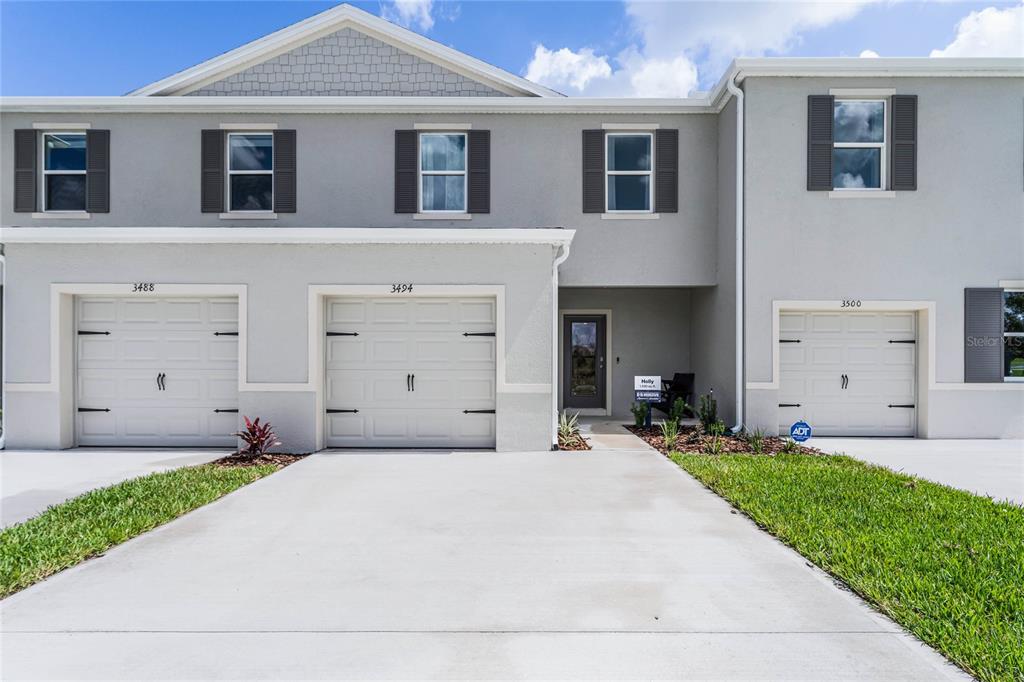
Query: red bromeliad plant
<point x="258" y="438"/>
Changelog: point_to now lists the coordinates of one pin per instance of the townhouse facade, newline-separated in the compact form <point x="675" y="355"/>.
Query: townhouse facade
<point x="372" y="240"/>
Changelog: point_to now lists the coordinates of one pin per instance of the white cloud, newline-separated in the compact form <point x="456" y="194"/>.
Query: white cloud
<point x="868" y="54"/>
<point x="409" y="13"/>
<point x="673" y="40"/>
<point x="990" y="32"/>
<point x="566" y="70"/>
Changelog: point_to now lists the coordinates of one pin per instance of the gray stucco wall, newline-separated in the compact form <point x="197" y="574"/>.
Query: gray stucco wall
<point x="714" y="308"/>
<point x="277" y="279"/>
<point x="650" y="334"/>
<point x="346" y="179"/>
<point x="348" y="62"/>
<point x="963" y="227"/>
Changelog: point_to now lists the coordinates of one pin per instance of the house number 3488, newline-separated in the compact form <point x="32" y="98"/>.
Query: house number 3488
<point x="138" y="287"/>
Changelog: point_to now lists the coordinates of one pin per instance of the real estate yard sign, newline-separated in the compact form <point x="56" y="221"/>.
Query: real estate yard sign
<point x="647" y="389"/>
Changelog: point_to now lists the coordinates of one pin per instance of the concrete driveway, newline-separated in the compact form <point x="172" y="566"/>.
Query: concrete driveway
<point x="608" y="564"/>
<point x="31" y="481"/>
<point x="984" y="467"/>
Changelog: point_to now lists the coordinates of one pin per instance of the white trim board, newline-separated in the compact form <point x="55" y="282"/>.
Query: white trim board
<point x="926" y="339"/>
<point x="331" y="21"/>
<point x="281" y="235"/>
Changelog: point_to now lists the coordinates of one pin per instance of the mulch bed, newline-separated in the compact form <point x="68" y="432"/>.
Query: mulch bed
<point x="693" y="439"/>
<point x="239" y="460"/>
<point x="574" y="446"/>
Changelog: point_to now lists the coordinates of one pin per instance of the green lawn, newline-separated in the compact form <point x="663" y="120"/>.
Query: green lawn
<point x="88" y="525"/>
<point x="945" y="564"/>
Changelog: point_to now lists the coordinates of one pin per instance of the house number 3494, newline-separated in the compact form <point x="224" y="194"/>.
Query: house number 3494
<point x="401" y="288"/>
<point x="139" y="287"/>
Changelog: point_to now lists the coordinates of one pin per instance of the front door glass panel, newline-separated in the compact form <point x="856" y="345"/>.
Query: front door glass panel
<point x="583" y="373"/>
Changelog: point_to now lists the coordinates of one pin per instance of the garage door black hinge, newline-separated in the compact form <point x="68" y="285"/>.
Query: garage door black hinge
<point x="478" y="333"/>
<point x="342" y="333"/>
<point x="906" y="406"/>
<point x="789" y="340"/>
<point x="902" y="341"/>
<point x="83" y="332"/>
<point x="341" y="411"/>
<point x="225" y="333"/>
<point x="94" y="409"/>
<point x="478" y="412"/>
<point x="789" y="404"/>
<point x="235" y="410"/>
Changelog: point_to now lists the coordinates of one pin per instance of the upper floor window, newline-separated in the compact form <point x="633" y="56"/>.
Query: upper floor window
<point x="442" y="172"/>
<point x="1013" y="335"/>
<point x="629" y="170"/>
<point x="859" y="153"/>
<point x="64" y="171"/>
<point x="250" y="172"/>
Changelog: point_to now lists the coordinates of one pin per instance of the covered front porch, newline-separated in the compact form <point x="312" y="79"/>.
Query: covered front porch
<point x="606" y="336"/>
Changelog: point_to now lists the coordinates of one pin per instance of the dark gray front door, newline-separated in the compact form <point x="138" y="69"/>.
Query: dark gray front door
<point x="583" y="341"/>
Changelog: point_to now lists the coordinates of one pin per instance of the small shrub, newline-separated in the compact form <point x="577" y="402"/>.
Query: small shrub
<point x="258" y="438"/>
<point x="670" y="432"/>
<point x="678" y="410"/>
<point x="715" y="445"/>
<point x="756" y="440"/>
<point x="639" y="411"/>
<point x="569" y="436"/>
<point x="717" y="428"/>
<point x="790" y="447"/>
<point x="707" y="413"/>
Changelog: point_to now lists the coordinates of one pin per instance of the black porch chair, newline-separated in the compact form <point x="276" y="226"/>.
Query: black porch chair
<point x="681" y="386"/>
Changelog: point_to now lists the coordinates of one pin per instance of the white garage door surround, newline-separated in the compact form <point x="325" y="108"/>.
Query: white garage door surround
<point x="404" y="371"/>
<point x="156" y="371"/>
<point x="849" y="372"/>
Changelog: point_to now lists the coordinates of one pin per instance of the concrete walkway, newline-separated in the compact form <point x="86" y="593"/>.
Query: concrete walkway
<point x="604" y="564"/>
<point x="31" y="481"/>
<point x="985" y="467"/>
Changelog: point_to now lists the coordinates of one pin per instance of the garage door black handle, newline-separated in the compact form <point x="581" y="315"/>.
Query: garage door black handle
<point x="342" y="411"/>
<point x="408" y="383"/>
<point x="83" y="332"/>
<point x="226" y="411"/>
<point x="789" y="404"/>
<point x="904" y="406"/>
<point x="413" y="382"/>
<point x="478" y="412"/>
<point x="94" y="409"/>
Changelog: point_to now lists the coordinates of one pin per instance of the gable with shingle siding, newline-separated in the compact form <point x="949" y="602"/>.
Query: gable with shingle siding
<point x="351" y="63"/>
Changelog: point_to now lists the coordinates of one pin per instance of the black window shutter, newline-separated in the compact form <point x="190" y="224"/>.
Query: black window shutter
<point x="212" y="172"/>
<point x="819" y="142"/>
<point x="285" y="185"/>
<point x="406" y="154"/>
<point x="97" y="171"/>
<point x="903" y="163"/>
<point x="593" y="171"/>
<point x="983" y="335"/>
<point x="666" y="171"/>
<point x="479" y="164"/>
<point x="25" y="157"/>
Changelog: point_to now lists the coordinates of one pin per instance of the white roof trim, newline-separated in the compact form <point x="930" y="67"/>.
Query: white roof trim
<point x="281" y="235"/>
<point x="330" y="21"/>
<point x="356" y="105"/>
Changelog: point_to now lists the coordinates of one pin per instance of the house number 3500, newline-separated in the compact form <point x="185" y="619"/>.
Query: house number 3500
<point x="850" y="303"/>
<point x="138" y="287"/>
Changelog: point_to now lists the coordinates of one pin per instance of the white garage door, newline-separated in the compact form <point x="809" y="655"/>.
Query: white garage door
<point x="410" y="373"/>
<point x="848" y="373"/>
<point x="157" y="371"/>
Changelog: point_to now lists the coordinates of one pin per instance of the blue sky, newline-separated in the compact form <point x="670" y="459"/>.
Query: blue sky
<point x="606" y="48"/>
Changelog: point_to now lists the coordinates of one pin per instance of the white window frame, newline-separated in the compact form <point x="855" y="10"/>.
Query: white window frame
<point x="464" y="172"/>
<point x="1010" y="334"/>
<point x="650" y="173"/>
<point x="45" y="173"/>
<point x="883" y="179"/>
<point x="229" y="172"/>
